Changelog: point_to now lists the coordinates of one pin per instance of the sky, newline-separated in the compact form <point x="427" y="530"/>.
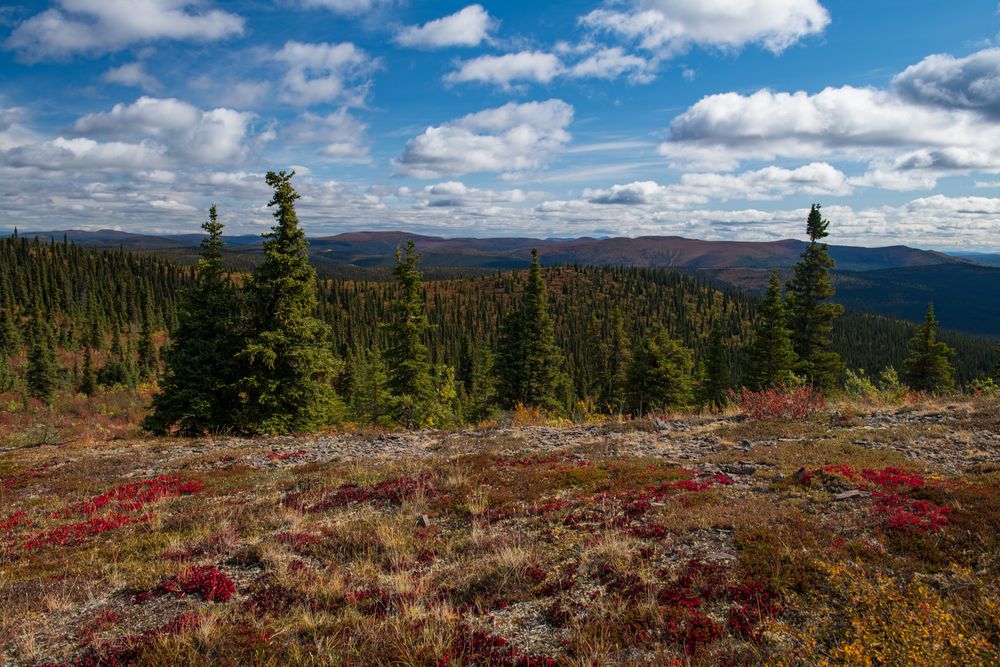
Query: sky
<point x="712" y="119"/>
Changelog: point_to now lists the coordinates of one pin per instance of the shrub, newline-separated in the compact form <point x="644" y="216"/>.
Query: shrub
<point x="778" y="402"/>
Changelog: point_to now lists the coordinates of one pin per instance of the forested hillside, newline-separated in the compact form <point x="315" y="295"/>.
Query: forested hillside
<point x="118" y="303"/>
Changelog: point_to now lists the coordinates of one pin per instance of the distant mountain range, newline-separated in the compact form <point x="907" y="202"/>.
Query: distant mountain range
<point x="893" y="280"/>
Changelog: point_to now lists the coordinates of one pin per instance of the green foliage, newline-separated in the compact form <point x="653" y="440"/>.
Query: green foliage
<point x="414" y="400"/>
<point x="857" y="385"/>
<point x="529" y="363"/>
<point x="367" y="388"/>
<point x="198" y="391"/>
<point x="482" y="389"/>
<point x="772" y="358"/>
<point x="88" y="375"/>
<point x="928" y="367"/>
<point x="10" y="337"/>
<point x="717" y="380"/>
<point x="42" y="375"/>
<point x="8" y="380"/>
<point x="288" y="364"/>
<point x="984" y="387"/>
<point x="811" y="314"/>
<point x="659" y="375"/>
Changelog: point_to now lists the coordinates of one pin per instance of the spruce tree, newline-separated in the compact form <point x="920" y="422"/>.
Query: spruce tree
<point x="772" y="357"/>
<point x="369" y="399"/>
<point x="410" y="378"/>
<point x="928" y="367"/>
<point x="148" y="360"/>
<point x="717" y="373"/>
<point x="41" y="378"/>
<point x="88" y="375"/>
<point x="288" y="362"/>
<point x="659" y="375"/>
<point x="10" y="337"/>
<point x="530" y="363"/>
<point x="811" y="312"/>
<point x="612" y="391"/>
<point x="198" y="390"/>
<point x="8" y="380"/>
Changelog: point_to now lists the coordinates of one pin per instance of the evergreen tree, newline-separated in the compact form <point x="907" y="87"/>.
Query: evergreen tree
<point x="289" y="364"/>
<point x="41" y="377"/>
<point x="659" y="375"/>
<point x="410" y="374"/>
<point x="198" y="390"/>
<point x="530" y="364"/>
<point x="10" y="337"/>
<point x="88" y="375"/>
<point x="367" y="379"/>
<point x="612" y="385"/>
<point x="772" y="358"/>
<point x="811" y="313"/>
<point x="148" y="360"/>
<point x="717" y="373"/>
<point x="928" y="367"/>
<point x="483" y="387"/>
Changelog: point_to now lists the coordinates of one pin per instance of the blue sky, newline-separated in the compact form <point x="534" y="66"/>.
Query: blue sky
<point x="700" y="118"/>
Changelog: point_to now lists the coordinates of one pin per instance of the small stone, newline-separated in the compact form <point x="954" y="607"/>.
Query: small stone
<point x="423" y="521"/>
<point x="853" y="493"/>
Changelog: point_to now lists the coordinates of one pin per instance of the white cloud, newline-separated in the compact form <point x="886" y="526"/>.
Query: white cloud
<point x="511" y="138"/>
<point x="859" y="124"/>
<point x="61" y="154"/>
<point x="103" y="26"/>
<point x="133" y="74"/>
<point x="183" y="131"/>
<point x="339" y="135"/>
<point x="324" y="72"/>
<point x="466" y="27"/>
<point x="943" y="80"/>
<point x="672" y="26"/>
<point x="534" y="66"/>
<point x="542" y="67"/>
<point x="347" y="6"/>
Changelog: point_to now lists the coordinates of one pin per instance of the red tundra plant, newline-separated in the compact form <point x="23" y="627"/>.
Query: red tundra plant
<point x="477" y="647"/>
<point x="76" y="533"/>
<point x="390" y="492"/>
<point x="12" y="521"/>
<point x="43" y="470"/>
<point x="133" y="497"/>
<point x="208" y="583"/>
<point x="128" y="649"/>
<point x="778" y="402"/>
<point x="907" y="513"/>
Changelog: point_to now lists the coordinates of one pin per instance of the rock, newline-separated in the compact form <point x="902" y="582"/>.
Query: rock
<point x="739" y="469"/>
<point x="853" y="493"/>
<point x="423" y="521"/>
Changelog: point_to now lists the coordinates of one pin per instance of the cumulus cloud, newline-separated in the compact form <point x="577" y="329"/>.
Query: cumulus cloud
<point x="543" y="67"/>
<point x="103" y="26"/>
<point x="339" y="135"/>
<point x="324" y="72"/>
<point x="672" y="26"/>
<point x="943" y="80"/>
<point x="534" y="66"/>
<point x="860" y="124"/>
<point x="511" y="138"/>
<point x="180" y="130"/>
<point x="133" y="74"/>
<point x="466" y="27"/>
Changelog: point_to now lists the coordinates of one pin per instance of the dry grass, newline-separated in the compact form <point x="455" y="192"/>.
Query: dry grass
<point x="567" y="556"/>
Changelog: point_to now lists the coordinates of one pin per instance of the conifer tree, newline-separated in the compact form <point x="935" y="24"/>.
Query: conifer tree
<point x="483" y="387"/>
<point x="88" y="375"/>
<point x="288" y="362"/>
<point x="928" y="367"/>
<point x="367" y="379"/>
<point x="717" y="378"/>
<point x="198" y="390"/>
<point x="410" y="378"/>
<point x="772" y="358"/>
<point x="148" y="360"/>
<point x="41" y="377"/>
<point x="10" y="337"/>
<point x="8" y="380"/>
<point x="529" y="366"/>
<point x="612" y="392"/>
<point x="811" y="312"/>
<point x="659" y="375"/>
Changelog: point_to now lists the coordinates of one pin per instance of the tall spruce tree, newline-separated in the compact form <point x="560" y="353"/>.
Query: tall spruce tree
<point x="288" y="362"/>
<point x="718" y="373"/>
<point x="811" y="312"/>
<point x="10" y="337"/>
<point x="660" y="374"/>
<point x="410" y="380"/>
<point x="41" y="378"/>
<point x="370" y="401"/>
<point x="198" y="390"/>
<point x="529" y="363"/>
<point x="772" y="358"/>
<point x="612" y="384"/>
<point x="88" y="375"/>
<point x="928" y="367"/>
